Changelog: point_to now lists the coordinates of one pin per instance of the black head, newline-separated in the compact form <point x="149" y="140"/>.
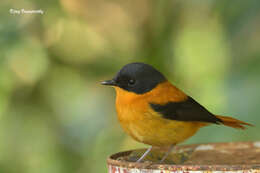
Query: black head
<point x="137" y="77"/>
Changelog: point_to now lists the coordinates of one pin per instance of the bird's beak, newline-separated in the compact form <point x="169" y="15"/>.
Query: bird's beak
<point x="109" y="82"/>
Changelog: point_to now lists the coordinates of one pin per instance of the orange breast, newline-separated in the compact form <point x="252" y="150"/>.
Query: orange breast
<point x="146" y="126"/>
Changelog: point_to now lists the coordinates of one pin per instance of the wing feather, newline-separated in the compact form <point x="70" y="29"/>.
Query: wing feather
<point x="187" y="110"/>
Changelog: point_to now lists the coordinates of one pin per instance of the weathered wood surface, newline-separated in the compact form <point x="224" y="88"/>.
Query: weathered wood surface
<point x="237" y="157"/>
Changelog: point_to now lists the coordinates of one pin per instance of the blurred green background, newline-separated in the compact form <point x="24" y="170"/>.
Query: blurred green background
<point x="54" y="114"/>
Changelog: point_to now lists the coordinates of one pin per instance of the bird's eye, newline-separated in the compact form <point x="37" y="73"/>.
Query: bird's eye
<point x="131" y="82"/>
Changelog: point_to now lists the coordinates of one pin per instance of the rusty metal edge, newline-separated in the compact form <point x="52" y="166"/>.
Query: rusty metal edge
<point x="124" y="164"/>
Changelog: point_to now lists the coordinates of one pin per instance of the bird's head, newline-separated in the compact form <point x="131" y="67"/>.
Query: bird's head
<point x="136" y="77"/>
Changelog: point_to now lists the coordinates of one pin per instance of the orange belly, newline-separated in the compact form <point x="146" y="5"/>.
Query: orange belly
<point x="146" y="126"/>
<point x="156" y="131"/>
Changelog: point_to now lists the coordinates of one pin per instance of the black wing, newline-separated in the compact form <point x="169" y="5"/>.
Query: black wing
<point x="188" y="110"/>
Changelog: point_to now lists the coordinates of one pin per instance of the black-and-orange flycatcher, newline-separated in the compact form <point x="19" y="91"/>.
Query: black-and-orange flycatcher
<point x="153" y="111"/>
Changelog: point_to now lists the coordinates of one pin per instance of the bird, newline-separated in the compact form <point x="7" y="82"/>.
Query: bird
<point x="155" y="112"/>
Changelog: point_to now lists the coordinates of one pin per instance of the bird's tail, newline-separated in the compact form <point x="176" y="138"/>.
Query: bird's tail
<point x="232" y="122"/>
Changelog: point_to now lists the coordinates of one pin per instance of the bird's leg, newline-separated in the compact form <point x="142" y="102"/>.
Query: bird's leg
<point x="145" y="154"/>
<point x="167" y="153"/>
